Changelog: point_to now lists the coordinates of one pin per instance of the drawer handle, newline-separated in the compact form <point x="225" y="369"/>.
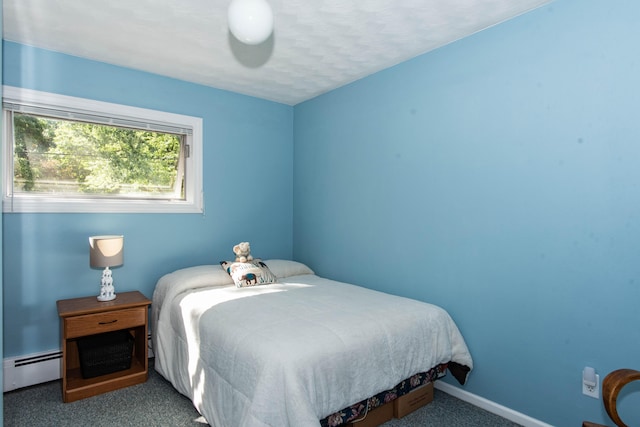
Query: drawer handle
<point x="108" y="323"/>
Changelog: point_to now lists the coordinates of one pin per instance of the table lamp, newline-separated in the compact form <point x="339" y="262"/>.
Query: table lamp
<point x="106" y="251"/>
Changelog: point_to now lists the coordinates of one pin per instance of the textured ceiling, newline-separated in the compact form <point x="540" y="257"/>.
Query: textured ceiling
<point x="317" y="45"/>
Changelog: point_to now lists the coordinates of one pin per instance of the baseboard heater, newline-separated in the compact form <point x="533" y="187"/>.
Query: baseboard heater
<point x="25" y="371"/>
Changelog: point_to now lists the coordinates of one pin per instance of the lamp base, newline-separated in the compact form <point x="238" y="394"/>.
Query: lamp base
<point x="106" y="298"/>
<point x="107" y="291"/>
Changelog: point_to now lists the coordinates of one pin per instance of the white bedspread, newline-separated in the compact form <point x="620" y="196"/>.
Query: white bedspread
<point x="290" y="354"/>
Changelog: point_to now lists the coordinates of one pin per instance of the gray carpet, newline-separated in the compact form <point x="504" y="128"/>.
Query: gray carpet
<point x="156" y="403"/>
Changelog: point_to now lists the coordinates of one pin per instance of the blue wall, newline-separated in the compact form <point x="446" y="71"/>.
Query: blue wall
<point x="498" y="177"/>
<point x="46" y="255"/>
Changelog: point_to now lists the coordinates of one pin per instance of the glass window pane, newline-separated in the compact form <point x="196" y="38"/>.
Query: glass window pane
<point x="70" y="158"/>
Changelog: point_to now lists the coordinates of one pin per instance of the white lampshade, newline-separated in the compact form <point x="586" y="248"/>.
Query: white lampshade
<point x="250" y="21"/>
<point x="106" y="251"/>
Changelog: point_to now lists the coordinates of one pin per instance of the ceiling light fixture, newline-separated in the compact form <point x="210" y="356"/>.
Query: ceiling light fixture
<point x="250" y="21"/>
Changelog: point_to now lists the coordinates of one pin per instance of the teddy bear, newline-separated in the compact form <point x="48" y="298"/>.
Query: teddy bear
<point x="243" y="252"/>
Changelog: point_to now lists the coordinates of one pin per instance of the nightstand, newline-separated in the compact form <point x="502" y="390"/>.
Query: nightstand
<point x="85" y="317"/>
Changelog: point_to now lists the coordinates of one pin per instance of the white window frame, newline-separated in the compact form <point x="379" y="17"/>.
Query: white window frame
<point x="80" y="107"/>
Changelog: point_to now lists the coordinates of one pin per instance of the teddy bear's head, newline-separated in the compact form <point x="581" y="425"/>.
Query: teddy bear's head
<point x="243" y="252"/>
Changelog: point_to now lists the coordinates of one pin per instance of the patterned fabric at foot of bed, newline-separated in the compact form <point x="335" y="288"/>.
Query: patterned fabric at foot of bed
<point x="357" y="410"/>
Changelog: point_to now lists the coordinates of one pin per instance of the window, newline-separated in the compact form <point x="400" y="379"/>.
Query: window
<point x="66" y="154"/>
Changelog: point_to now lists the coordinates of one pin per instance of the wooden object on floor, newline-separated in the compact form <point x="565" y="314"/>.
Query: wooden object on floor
<point x="611" y="386"/>
<point x="84" y="317"/>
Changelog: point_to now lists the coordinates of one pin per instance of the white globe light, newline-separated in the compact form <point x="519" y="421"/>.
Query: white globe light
<point x="250" y="21"/>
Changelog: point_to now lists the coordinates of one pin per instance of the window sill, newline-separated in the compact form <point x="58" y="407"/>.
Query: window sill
<point x="97" y="205"/>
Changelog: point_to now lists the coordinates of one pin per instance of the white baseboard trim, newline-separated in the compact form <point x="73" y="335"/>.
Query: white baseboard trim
<point x="488" y="405"/>
<point x="23" y="371"/>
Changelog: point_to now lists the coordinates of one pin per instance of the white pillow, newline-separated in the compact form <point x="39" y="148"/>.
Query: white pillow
<point x="195" y="277"/>
<point x="285" y="268"/>
<point x="200" y="275"/>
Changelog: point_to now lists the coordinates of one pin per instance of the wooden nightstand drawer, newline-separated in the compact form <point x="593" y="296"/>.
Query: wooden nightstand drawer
<point x="90" y="324"/>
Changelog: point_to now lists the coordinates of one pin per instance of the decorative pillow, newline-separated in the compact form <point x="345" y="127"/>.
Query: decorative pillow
<point x="284" y="268"/>
<point x="249" y="273"/>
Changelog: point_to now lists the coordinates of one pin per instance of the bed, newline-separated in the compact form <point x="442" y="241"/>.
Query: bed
<point x="303" y="351"/>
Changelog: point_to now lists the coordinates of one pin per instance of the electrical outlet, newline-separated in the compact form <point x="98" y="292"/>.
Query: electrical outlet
<point x="592" y="390"/>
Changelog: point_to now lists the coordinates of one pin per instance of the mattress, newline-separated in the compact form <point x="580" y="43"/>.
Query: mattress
<point x="293" y="352"/>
